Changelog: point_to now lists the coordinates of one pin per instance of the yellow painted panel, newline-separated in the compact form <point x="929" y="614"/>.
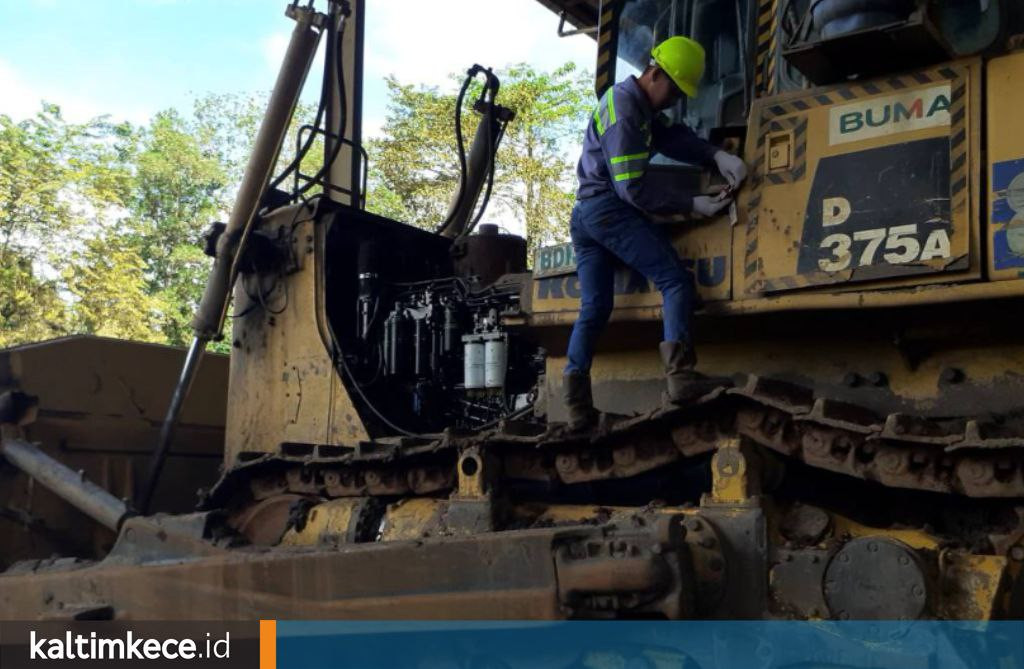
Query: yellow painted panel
<point x="283" y="386"/>
<point x="705" y="248"/>
<point x="872" y="144"/>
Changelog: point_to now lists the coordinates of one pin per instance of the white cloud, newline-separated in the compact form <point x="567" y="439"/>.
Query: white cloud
<point x="424" y="42"/>
<point x="20" y="99"/>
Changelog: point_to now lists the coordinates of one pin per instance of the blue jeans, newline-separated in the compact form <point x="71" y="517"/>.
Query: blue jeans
<point x="603" y="229"/>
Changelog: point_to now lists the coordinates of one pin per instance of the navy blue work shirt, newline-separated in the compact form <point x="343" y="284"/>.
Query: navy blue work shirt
<point x="623" y="133"/>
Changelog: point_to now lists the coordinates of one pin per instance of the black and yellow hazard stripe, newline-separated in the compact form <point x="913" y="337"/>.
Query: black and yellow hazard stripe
<point x="956" y="75"/>
<point x="607" y="43"/>
<point x="765" y="47"/>
<point x="778" y="116"/>
<point x="849" y="92"/>
<point x="750" y="257"/>
<point x="958" y="180"/>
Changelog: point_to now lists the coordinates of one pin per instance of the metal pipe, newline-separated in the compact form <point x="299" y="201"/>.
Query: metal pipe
<point x="209" y="318"/>
<point x="69" y="485"/>
<point x="741" y="43"/>
<point x="181" y="390"/>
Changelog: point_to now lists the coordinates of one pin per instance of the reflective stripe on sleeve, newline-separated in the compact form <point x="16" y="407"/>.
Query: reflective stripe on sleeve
<point x="597" y="121"/>
<point x="628" y="166"/>
<point x="604" y="115"/>
<point x="633" y="156"/>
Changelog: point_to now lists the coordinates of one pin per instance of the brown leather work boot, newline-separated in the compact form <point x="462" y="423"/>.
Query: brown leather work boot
<point x="684" y="383"/>
<point x="579" y="401"/>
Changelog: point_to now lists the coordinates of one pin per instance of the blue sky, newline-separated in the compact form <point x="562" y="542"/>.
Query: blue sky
<point x="131" y="58"/>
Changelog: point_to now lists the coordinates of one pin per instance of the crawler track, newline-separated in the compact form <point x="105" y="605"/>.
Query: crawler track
<point x="958" y="456"/>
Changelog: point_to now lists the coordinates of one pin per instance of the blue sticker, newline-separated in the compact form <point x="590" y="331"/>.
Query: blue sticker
<point x="1003" y="249"/>
<point x="1008" y="213"/>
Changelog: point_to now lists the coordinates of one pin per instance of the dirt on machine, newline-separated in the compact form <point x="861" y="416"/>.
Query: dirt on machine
<point x="394" y="439"/>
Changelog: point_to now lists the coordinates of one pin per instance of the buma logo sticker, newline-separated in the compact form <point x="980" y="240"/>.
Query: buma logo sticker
<point x="889" y="115"/>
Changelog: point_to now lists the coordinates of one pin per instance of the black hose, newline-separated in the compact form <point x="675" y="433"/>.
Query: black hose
<point x="493" y="149"/>
<point x="461" y="147"/>
<point x="335" y="40"/>
<point x="300" y="155"/>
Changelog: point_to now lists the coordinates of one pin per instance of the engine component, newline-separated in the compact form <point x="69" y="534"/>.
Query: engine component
<point x="840" y="39"/>
<point x="495" y="360"/>
<point x="443" y="355"/>
<point x="876" y="578"/>
<point x="488" y="255"/>
<point x="334" y="523"/>
<point x="368" y="264"/>
<point x="474" y="362"/>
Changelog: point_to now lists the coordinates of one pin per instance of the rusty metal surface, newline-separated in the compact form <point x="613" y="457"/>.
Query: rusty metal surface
<point x="72" y="487"/>
<point x="605" y="570"/>
<point x="876" y="579"/>
<point x="782" y="418"/>
<point x="489" y="255"/>
<point x="285" y="390"/>
<point x="100" y="404"/>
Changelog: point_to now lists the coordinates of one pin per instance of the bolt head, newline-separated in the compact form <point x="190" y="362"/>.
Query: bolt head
<point x="951" y="375"/>
<point x="878" y="379"/>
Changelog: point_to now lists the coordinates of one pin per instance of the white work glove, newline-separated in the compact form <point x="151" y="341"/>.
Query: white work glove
<point x="732" y="168"/>
<point x="709" y="205"/>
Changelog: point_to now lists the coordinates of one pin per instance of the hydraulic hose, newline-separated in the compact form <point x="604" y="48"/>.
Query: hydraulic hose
<point x="479" y="169"/>
<point x="453" y="208"/>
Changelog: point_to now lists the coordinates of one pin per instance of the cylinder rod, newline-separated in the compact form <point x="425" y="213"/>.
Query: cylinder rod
<point x="460" y="210"/>
<point x="210" y="316"/>
<point x="69" y="485"/>
<point x="181" y="390"/>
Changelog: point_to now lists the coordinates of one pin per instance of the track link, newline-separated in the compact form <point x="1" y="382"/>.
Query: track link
<point x="957" y="456"/>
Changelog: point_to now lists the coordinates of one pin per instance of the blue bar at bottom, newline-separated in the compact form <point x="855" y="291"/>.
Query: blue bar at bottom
<point x="651" y="645"/>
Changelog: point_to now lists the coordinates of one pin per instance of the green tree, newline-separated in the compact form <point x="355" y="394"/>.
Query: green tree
<point x="178" y="187"/>
<point x="52" y="175"/>
<point x="101" y="223"/>
<point x="186" y="171"/>
<point x="414" y="166"/>
<point x="107" y="281"/>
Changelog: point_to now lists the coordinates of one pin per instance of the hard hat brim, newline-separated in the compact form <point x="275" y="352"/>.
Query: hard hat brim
<point x="686" y="87"/>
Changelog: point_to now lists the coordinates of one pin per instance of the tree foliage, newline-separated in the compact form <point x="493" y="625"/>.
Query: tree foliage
<point x="52" y="174"/>
<point x="415" y="169"/>
<point x="101" y="223"/>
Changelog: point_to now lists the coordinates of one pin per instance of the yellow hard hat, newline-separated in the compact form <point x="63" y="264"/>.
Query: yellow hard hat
<point x="683" y="60"/>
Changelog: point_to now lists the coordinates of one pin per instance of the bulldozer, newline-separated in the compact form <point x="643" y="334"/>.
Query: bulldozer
<point x="395" y="446"/>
